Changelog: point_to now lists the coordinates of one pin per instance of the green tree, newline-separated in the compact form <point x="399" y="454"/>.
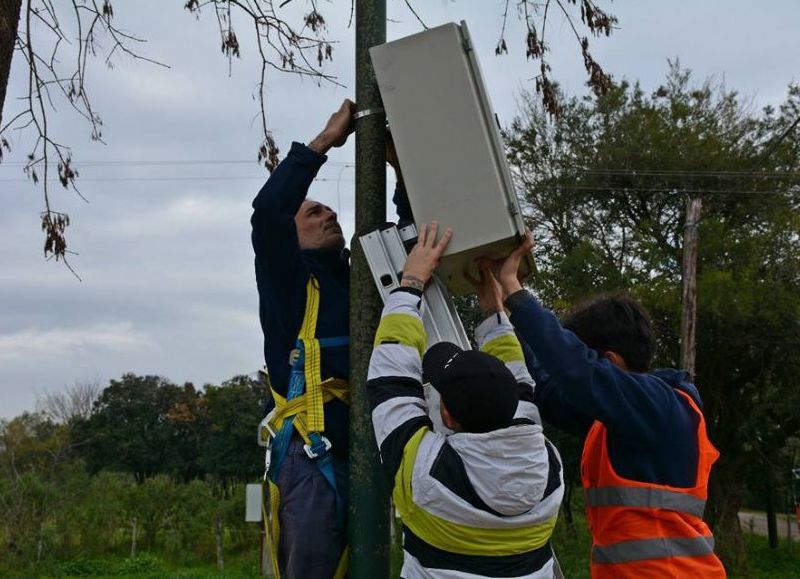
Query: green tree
<point x="230" y="453"/>
<point x="606" y="187"/>
<point x="133" y="428"/>
<point x="36" y="455"/>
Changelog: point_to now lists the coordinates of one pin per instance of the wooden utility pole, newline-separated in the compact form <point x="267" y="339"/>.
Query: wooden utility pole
<point x="689" y="297"/>
<point x="368" y="526"/>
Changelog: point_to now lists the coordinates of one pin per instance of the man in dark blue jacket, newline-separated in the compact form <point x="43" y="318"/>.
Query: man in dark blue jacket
<point x="646" y="457"/>
<point x="297" y="239"/>
<point x="596" y="366"/>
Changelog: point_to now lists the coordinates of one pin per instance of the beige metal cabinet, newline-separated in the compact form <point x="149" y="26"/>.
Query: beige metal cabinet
<point x="449" y="145"/>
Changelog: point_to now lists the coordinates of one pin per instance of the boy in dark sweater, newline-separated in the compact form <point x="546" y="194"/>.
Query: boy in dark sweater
<point x="646" y="457"/>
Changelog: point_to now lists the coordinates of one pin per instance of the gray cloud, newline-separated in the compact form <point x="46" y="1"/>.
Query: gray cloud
<point x="166" y="260"/>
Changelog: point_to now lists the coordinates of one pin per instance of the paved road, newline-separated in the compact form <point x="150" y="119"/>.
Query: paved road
<point x="756" y="522"/>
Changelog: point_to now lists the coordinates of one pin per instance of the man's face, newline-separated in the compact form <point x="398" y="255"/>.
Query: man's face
<point x="317" y="227"/>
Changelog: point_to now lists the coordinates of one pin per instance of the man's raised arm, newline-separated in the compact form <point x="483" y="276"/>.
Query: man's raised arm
<point x="589" y="383"/>
<point x="274" y="208"/>
<point x="394" y="383"/>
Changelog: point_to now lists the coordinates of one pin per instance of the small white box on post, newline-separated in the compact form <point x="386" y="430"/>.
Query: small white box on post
<point x="449" y="146"/>
<point x="254" y="497"/>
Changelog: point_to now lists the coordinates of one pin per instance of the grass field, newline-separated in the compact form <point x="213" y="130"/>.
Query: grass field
<point x="571" y="546"/>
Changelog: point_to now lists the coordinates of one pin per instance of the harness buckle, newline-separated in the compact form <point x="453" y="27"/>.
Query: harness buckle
<point x="316" y="451"/>
<point x="265" y="431"/>
<point x="294" y="356"/>
<point x="267" y="459"/>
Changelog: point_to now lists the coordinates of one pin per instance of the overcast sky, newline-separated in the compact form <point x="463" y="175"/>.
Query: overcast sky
<point x="163" y="245"/>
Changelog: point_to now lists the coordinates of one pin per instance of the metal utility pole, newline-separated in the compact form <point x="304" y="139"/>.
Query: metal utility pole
<point x="689" y="298"/>
<point x="368" y="531"/>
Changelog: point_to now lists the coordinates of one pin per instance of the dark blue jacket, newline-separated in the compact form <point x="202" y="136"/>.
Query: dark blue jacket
<point x="282" y="272"/>
<point x="652" y="430"/>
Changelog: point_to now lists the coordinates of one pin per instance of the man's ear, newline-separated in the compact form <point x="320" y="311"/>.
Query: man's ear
<point x="616" y="359"/>
<point x="448" y="419"/>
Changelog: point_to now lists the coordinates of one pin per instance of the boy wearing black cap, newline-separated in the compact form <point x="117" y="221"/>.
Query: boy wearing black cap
<point x="481" y="502"/>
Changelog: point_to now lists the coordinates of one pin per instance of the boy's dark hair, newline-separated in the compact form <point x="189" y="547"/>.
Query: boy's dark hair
<point x="618" y="323"/>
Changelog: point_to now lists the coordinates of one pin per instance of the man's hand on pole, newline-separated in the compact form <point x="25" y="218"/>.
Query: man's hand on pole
<point x="336" y="131"/>
<point x="424" y="256"/>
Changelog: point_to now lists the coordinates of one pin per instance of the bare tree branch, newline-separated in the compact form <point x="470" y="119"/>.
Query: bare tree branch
<point x="596" y="20"/>
<point x="74" y="403"/>
<point x="285" y="43"/>
<point x="414" y="12"/>
<point x="502" y="47"/>
<point x="41" y="40"/>
<point x="301" y="49"/>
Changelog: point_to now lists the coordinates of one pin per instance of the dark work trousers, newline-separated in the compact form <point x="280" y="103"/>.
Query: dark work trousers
<point x="310" y="541"/>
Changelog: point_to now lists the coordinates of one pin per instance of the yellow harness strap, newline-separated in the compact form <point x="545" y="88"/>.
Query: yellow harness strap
<point x="315" y="415"/>
<point x="330" y="389"/>
<point x="307" y="411"/>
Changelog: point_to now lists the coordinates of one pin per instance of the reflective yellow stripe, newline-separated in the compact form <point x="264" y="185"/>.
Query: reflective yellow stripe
<point x="453" y="537"/>
<point x="401" y="328"/>
<point x="506" y="348"/>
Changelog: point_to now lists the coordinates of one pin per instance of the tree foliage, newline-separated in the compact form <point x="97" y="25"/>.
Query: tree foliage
<point x="229" y="449"/>
<point x="34" y="454"/>
<point x="146" y="425"/>
<point x="130" y="429"/>
<point x="151" y="457"/>
<point x="606" y="187"/>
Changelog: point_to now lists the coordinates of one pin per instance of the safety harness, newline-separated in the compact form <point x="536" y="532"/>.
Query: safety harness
<point x="302" y="411"/>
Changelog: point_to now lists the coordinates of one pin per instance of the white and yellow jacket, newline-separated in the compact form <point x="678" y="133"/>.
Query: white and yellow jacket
<point x="472" y="505"/>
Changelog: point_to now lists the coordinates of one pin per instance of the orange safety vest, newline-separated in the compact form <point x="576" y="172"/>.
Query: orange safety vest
<point x="645" y="530"/>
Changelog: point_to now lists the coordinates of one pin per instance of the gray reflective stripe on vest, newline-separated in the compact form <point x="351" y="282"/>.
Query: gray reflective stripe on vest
<point x="645" y="498"/>
<point x="628" y="551"/>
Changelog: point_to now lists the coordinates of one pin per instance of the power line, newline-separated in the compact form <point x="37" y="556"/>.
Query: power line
<point x="165" y="163"/>
<point x="585" y="170"/>
<point x="687" y="173"/>
<point x="259" y="178"/>
<point x="675" y="190"/>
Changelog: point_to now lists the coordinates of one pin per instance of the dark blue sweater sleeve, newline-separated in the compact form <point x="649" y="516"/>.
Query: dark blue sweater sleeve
<point x="403" y="206"/>
<point x="629" y="404"/>
<point x="551" y="401"/>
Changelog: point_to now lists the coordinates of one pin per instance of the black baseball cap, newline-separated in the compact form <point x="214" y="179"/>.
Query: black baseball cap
<point x="480" y="393"/>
